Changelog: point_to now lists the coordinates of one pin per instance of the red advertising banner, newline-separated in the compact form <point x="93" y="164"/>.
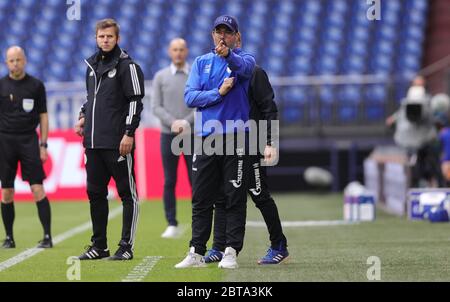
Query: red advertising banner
<point x="66" y="174"/>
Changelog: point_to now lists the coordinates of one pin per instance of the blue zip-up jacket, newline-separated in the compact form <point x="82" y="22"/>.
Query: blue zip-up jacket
<point x="202" y="91"/>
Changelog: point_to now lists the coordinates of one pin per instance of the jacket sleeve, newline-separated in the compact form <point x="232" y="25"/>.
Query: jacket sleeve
<point x="157" y="103"/>
<point x="82" y="112"/>
<point x="133" y="86"/>
<point x="194" y="95"/>
<point x="243" y="64"/>
<point x="42" y="101"/>
<point x="264" y="95"/>
<point x="190" y="117"/>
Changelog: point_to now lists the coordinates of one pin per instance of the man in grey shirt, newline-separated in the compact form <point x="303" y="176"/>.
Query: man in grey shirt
<point x="169" y="106"/>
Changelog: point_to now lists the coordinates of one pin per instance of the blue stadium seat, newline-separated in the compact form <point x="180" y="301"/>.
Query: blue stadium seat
<point x="347" y="113"/>
<point x="260" y="7"/>
<point x="349" y="94"/>
<point x="297" y="95"/>
<point x="292" y="114"/>
<point x="310" y="20"/>
<point x="376" y="93"/>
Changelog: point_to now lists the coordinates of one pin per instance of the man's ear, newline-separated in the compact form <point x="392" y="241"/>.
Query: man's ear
<point x="238" y="39"/>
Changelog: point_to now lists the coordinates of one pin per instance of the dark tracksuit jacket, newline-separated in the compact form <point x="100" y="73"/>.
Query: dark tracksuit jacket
<point x="115" y="88"/>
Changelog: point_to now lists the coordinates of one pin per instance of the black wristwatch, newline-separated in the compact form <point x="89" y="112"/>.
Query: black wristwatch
<point x="129" y="133"/>
<point x="45" y="145"/>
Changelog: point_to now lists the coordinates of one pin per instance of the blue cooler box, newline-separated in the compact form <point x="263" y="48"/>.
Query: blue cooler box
<point x="422" y="200"/>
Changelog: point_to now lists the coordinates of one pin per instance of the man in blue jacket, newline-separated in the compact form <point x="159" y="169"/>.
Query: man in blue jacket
<point x="218" y="87"/>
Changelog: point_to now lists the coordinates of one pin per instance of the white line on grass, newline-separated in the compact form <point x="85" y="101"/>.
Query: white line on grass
<point x="141" y="270"/>
<point x="310" y="223"/>
<point x="58" y="239"/>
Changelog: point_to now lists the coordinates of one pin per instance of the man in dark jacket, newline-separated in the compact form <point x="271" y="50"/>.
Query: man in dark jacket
<point x="262" y="108"/>
<point x="107" y="121"/>
<point x="23" y="105"/>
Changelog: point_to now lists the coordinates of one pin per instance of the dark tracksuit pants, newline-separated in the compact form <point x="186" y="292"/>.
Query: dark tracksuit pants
<point x="101" y="165"/>
<point x="258" y="190"/>
<point x="170" y="165"/>
<point x="211" y="175"/>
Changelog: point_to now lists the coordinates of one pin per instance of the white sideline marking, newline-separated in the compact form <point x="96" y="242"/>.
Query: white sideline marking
<point x="307" y="223"/>
<point x="141" y="270"/>
<point x="58" y="239"/>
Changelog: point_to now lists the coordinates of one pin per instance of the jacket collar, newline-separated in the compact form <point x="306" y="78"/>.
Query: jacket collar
<point x="174" y="69"/>
<point x="117" y="54"/>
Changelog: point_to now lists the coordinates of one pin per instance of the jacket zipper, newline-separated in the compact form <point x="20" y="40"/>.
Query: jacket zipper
<point x="96" y="89"/>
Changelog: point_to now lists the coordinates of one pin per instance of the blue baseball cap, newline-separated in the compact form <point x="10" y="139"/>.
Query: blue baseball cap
<point x="228" y="21"/>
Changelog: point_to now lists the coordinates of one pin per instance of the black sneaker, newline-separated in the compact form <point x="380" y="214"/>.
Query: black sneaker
<point x="45" y="243"/>
<point x="123" y="253"/>
<point x="94" y="253"/>
<point x="8" y="243"/>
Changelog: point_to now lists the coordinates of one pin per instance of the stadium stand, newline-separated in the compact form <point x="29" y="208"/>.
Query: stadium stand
<point x="288" y="38"/>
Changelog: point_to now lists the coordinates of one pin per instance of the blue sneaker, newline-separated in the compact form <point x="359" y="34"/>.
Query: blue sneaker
<point x="274" y="256"/>
<point x="213" y="255"/>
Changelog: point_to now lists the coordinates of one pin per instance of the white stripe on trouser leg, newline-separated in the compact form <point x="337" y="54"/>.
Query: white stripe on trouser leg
<point x="134" y="197"/>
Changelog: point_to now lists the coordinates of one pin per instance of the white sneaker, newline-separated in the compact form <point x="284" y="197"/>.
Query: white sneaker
<point x="192" y="260"/>
<point x="170" y="232"/>
<point x="229" y="259"/>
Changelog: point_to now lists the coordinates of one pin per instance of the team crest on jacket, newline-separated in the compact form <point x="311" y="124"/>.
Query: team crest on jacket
<point x="28" y="105"/>
<point x="112" y="73"/>
<point x="91" y="74"/>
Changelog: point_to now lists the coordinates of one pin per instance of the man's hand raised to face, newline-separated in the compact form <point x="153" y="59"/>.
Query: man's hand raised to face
<point x="222" y="49"/>
<point x="226" y="86"/>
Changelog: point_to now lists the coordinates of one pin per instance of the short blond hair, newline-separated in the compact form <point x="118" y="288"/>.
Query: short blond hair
<point x="107" y="23"/>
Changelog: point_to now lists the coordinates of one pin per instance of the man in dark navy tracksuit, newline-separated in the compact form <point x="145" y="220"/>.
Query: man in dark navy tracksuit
<point x="218" y="87"/>
<point x="262" y="108"/>
<point x="108" y="120"/>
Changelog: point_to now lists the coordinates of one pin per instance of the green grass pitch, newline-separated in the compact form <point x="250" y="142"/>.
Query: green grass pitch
<point x="408" y="250"/>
